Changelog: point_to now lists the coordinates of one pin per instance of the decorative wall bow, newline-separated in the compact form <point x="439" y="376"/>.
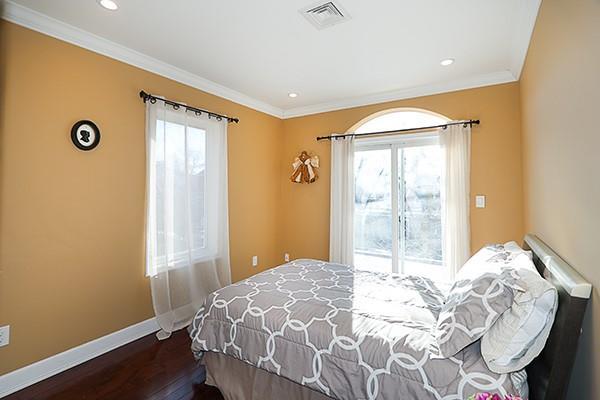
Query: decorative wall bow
<point x="305" y="168"/>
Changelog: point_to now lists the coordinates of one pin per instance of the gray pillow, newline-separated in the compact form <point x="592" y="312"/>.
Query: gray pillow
<point x="471" y="308"/>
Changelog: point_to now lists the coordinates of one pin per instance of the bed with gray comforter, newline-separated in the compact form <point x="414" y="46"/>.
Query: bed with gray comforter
<point x="347" y="333"/>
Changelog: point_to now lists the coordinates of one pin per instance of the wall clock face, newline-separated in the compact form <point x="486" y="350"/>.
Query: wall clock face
<point x="85" y="135"/>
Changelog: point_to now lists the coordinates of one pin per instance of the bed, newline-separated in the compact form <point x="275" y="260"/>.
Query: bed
<point x="315" y="330"/>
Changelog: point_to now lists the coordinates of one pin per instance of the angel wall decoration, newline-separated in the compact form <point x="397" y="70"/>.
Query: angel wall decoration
<point x="305" y="168"/>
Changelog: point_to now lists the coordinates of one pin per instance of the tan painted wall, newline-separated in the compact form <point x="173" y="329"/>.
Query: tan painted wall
<point x="495" y="166"/>
<point x="71" y="223"/>
<point x="560" y="90"/>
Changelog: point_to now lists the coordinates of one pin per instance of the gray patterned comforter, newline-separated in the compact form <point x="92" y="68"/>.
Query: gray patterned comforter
<point x="347" y="333"/>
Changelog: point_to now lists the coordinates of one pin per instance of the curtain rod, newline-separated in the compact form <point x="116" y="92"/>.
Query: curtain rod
<point x="198" y="111"/>
<point x="443" y="126"/>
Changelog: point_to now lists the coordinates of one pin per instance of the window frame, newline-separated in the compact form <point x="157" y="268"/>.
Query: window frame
<point x="209" y="251"/>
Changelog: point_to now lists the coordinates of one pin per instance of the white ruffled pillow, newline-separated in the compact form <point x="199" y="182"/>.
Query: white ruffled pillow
<point x="520" y="333"/>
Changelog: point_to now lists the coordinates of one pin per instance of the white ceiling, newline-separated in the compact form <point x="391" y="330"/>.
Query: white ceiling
<point x="255" y="52"/>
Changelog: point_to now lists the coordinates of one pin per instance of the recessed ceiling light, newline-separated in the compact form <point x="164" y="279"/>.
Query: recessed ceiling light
<point x="108" y="4"/>
<point x="447" y="61"/>
<point x="293" y="95"/>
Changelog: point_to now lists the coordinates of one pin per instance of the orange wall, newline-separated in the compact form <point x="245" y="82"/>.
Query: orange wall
<point x="495" y="166"/>
<point x="72" y="222"/>
<point x="560" y="90"/>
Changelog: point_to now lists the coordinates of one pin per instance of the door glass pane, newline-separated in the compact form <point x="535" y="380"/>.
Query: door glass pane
<point x="420" y="210"/>
<point x="373" y="210"/>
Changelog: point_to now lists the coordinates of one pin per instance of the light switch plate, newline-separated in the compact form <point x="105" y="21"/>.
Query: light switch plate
<point x="286" y="257"/>
<point x="254" y="261"/>
<point x="4" y="335"/>
<point x="480" y="201"/>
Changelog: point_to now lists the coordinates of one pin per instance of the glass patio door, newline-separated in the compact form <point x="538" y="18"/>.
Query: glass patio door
<point x="397" y="210"/>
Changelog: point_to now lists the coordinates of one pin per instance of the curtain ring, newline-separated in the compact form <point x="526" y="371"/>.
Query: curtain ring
<point x="175" y="106"/>
<point x="153" y="100"/>
<point x="219" y="118"/>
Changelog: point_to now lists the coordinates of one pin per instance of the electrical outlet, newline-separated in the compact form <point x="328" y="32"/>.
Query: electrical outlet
<point x="254" y="261"/>
<point x="286" y="257"/>
<point x="4" y="335"/>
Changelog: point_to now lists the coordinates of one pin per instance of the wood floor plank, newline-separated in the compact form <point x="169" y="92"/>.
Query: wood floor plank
<point x="146" y="369"/>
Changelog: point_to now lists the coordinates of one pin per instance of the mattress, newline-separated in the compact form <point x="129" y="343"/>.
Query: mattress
<point x="345" y="333"/>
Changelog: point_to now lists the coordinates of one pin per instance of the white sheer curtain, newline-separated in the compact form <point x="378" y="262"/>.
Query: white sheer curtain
<point x="187" y="241"/>
<point x="341" y="226"/>
<point x="456" y="147"/>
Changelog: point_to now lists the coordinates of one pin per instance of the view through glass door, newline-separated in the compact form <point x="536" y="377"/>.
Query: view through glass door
<point x="398" y="199"/>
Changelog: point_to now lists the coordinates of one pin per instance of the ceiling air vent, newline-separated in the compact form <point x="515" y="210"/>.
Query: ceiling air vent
<point x="324" y="15"/>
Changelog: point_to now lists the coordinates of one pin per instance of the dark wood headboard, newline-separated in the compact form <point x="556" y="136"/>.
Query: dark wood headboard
<point x="549" y="374"/>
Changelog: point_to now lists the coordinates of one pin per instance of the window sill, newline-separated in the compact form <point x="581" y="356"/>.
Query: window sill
<point x="182" y="263"/>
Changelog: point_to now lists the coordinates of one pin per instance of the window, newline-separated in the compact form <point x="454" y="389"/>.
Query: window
<point x="398" y="201"/>
<point x="183" y="198"/>
<point x="178" y="167"/>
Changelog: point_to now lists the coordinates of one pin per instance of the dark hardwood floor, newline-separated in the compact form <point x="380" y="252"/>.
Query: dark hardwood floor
<point x="144" y="369"/>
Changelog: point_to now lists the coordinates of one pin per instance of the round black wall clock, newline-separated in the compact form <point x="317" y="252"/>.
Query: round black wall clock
<point x="85" y="135"/>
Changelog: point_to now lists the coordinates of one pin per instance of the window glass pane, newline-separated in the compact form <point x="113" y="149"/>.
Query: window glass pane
<point x="372" y="210"/>
<point x="420" y="204"/>
<point x="400" y="120"/>
<point x="175" y="229"/>
<point x="160" y="187"/>
<point x="197" y="179"/>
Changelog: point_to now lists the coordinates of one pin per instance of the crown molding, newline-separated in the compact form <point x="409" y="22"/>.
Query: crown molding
<point x="522" y="35"/>
<point x="495" y="78"/>
<point x="42" y="23"/>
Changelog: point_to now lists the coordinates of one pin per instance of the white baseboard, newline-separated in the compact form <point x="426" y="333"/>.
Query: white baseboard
<point x="26" y="376"/>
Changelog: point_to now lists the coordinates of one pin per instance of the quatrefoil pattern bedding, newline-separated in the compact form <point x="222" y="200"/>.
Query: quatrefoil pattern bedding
<point x="347" y="333"/>
<point x="471" y="308"/>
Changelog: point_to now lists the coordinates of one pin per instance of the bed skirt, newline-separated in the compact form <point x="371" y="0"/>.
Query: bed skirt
<point x="238" y="380"/>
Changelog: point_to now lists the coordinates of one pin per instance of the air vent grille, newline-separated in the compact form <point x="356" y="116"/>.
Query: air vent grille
<point x="324" y="15"/>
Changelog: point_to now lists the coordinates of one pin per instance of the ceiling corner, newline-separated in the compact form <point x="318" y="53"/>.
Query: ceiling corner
<point x="529" y="10"/>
